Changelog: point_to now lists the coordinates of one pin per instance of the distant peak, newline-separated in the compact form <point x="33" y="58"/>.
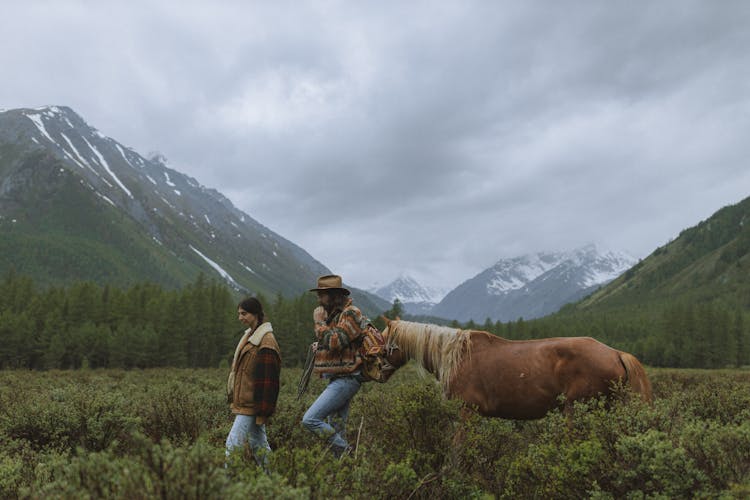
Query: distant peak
<point x="408" y="290"/>
<point x="57" y="110"/>
<point x="48" y="112"/>
<point x="406" y="278"/>
<point x="62" y="114"/>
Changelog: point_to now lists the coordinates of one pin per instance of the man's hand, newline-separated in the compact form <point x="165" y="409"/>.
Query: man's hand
<point x="320" y="315"/>
<point x="314" y="348"/>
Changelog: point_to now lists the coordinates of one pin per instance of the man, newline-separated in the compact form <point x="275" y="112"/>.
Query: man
<point x="338" y="329"/>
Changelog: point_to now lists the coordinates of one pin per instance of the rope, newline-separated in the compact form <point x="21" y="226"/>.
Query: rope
<point x="306" y="373"/>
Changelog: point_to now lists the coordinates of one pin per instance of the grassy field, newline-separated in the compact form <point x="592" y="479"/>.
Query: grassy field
<point x="160" y="433"/>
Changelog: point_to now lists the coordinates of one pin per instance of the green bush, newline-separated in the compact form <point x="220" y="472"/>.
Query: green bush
<point x="721" y="451"/>
<point x="160" y="433"/>
<point x="11" y="476"/>
<point x="651" y="463"/>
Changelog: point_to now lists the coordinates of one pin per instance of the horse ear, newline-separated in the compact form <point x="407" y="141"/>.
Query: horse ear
<point x="387" y="321"/>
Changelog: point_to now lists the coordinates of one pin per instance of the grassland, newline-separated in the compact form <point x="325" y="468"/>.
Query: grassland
<point x="160" y="434"/>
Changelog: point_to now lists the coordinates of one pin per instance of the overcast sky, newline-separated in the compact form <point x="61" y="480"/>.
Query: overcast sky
<point x="432" y="138"/>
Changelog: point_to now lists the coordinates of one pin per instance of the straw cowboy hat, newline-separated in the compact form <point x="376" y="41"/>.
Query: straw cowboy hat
<point x="330" y="282"/>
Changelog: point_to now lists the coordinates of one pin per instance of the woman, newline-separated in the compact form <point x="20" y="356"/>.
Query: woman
<point x="253" y="385"/>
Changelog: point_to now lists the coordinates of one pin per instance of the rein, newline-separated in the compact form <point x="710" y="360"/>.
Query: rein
<point x="390" y="344"/>
<point x="306" y="373"/>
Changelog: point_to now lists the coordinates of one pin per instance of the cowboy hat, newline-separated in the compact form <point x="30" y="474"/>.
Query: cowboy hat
<point x="330" y="282"/>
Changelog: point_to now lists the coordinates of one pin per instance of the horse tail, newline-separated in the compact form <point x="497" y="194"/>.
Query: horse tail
<point x="636" y="376"/>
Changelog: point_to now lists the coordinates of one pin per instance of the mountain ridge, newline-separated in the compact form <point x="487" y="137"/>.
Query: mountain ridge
<point x="57" y="172"/>
<point x="533" y="285"/>
<point x="416" y="298"/>
<point x="710" y="259"/>
<point x="528" y="286"/>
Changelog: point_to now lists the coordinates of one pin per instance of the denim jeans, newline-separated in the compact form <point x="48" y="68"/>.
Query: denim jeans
<point x="326" y="418"/>
<point x="245" y="429"/>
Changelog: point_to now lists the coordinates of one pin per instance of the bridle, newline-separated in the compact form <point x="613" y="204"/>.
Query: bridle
<point x="390" y="345"/>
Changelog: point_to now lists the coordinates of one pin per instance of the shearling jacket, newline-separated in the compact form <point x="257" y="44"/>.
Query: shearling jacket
<point x="256" y="380"/>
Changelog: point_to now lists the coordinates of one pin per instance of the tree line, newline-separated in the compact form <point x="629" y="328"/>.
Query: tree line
<point x="683" y="334"/>
<point x="142" y="326"/>
<point x="146" y="325"/>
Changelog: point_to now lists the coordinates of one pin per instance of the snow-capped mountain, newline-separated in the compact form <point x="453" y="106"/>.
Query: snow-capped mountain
<point x="416" y="298"/>
<point x="76" y="204"/>
<point x="532" y="286"/>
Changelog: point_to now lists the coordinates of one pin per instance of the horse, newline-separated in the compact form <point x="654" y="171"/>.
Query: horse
<point x="514" y="379"/>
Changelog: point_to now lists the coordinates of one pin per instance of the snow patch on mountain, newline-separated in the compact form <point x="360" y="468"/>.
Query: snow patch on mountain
<point x="218" y="269"/>
<point x="122" y="153"/>
<point x="37" y="119"/>
<point x="115" y="174"/>
<point x="169" y="181"/>
<point x="533" y="285"/>
<point x="513" y="274"/>
<point x="595" y="268"/>
<point x="105" y="198"/>
<point x="606" y="267"/>
<point x="105" y="165"/>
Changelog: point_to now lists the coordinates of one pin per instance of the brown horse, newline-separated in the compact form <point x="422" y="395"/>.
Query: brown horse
<point x="521" y="379"/>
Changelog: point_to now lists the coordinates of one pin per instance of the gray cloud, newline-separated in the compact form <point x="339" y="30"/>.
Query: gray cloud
<point x="426" y="137"/>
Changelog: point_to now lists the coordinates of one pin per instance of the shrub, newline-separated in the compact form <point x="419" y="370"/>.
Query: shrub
<point x="651" y="463"/>
<point x="11" y="476"/>
<point x="160" y="433"/>
<point x="721" y="452"/>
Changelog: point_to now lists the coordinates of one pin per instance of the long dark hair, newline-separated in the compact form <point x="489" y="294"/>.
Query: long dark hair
<point x="253" y="306"/>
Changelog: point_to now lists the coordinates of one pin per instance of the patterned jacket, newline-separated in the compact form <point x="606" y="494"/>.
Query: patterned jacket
<point x="339" y="338"/>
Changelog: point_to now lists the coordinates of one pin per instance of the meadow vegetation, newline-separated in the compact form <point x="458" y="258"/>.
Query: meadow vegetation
<point x="142" y="412"/>
<point x="159" y="433"/>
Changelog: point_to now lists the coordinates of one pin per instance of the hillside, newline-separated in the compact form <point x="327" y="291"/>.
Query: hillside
<point x="76" y="205"/>
<point x="707" y="262"/>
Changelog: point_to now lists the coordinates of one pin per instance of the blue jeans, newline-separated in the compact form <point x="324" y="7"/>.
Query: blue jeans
<point x="326" y="418"/>
<point x="245" y="429"/>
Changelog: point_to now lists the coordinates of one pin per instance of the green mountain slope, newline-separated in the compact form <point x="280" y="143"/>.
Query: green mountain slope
<point x="57" y="231"/>
<point x="708" y="262"/>
<point x="685" y="305"/>
<point x="77" y="205"/>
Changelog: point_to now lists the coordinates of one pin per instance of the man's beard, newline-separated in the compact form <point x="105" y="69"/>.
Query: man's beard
<point x="334" y="304"/>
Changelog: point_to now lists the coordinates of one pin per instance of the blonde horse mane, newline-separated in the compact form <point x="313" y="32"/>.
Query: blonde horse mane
<point x="439" y="347"/>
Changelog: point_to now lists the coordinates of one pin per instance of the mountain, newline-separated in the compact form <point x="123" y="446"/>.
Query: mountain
<point x="707" y="262"/>
<point x="532" y="286"/>
<point x="416" y="298"/>
<point x="77" y="205"/>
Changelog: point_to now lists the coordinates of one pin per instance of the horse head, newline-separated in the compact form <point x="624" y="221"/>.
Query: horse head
<point x="393" y="353"/>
